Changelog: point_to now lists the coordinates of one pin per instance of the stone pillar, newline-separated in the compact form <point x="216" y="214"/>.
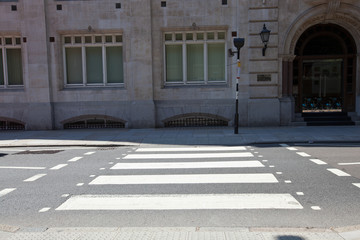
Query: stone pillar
<point x="287" y="102"/>
<point x="139" y="66"/>
<point x="37" y="112"/>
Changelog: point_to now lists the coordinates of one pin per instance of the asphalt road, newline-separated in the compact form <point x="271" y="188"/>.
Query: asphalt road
<point x="263" y="186"/>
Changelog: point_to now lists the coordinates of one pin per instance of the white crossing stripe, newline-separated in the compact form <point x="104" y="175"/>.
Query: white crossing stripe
<point x="303" y="154"/>
<point x="6" y="191"/>
<point x="191" y="149"/>
<point x="34" y="178"/>
<point x="338" y="172"/>
<point x="184" y="179"/>
<point x="345" y="164"/>
<point x="187" y="165"/>
<point x="181" y="202"/>
<point x="57" y="167"/>
<point x="291" y="148"/>
<point x="75" y="159"/>
<point x="357" y="184"/>
<point x="25" y="168"/>
<point x="318" y="162"/>
<point x="193" y="155"/>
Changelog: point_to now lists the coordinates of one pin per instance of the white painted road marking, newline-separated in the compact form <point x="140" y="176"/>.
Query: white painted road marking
<point x="184" y="179"/>
<point x="194" y="165"/>
<point x="183" y="156"/>
<point x="6" y="191"/>
<point x="317" y="208"/>
<point x="338" y="172"/>
<point x="318" y="162"/>
<point x="34" y="178"/>
<point x="345" y="164"/>
<point x="57" y="167"/>
<point x="291" y="148"/>
<point x="75" y="159"/>
<point x="89" y="153"/>
<point x="44" y="210"/>
<point x="191" y="149"/>
<point x="181" y="202"/>
<point x="357" y="184"/>
<point x="25" y="168"/>
<point x="303" y="154"/>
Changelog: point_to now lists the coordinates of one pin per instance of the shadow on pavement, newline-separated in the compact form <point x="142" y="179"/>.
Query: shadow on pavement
<point x="289" y="238"/>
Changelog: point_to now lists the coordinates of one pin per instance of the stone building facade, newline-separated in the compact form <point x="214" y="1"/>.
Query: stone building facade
<point x="153" y="63"/>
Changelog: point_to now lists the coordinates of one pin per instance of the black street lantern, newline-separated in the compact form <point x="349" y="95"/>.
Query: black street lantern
<point x="265" y="35"/>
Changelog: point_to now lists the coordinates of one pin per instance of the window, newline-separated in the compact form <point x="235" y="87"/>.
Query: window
<point x="11" y="73"/>
<point x="195" y="57"/>
<point x="93" y="60"/>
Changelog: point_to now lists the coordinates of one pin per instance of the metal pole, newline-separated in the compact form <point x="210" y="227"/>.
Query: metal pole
<point x="236" y="130"/>
<point x="239" y="43"/>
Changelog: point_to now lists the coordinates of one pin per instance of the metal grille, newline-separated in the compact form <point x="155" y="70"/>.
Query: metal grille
<point x="8" y="125"/>
<point x="196" y="122"/>
<point x="93" y="124"/>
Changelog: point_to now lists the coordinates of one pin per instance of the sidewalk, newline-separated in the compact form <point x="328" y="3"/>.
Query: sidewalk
<point x="180" y="136"/>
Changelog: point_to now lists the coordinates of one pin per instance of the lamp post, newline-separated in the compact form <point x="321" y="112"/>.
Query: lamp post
<point x="265" y="35"/>
<point x="239" y="43"/>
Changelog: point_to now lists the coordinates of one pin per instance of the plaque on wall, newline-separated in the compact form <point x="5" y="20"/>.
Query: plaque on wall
<point x="264" y="77"/>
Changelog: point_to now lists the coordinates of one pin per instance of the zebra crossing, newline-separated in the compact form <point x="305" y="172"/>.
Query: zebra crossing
<point x="194" y="158"/>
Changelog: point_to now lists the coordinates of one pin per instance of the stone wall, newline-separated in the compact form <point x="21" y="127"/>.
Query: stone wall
<point x="144" y="99"/>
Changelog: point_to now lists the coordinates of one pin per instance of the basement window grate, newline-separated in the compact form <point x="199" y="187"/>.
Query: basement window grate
<point x="94" y="124"/>
<point x="8" y="125"/>
<point x="196" y="121"/>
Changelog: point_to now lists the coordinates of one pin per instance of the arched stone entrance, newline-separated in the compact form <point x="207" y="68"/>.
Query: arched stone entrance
<point x="324" y="70"/>
<point x="343" y="17"/>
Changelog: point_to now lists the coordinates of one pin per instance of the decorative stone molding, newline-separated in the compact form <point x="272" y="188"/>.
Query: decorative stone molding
<point x="333" y="11"/>
<point x="317" y="2"/>
<point x="332" y="8"/>
<point x="287" y="57"/>
<point x="338" y="18"/>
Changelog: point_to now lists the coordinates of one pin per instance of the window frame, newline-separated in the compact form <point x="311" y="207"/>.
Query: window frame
<point x="15" y="44"/>
<point x="184" y="42"/>
<point x="116" y="41"/>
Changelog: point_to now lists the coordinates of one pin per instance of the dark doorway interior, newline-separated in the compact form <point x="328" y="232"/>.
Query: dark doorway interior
<point x="324" y="74"/>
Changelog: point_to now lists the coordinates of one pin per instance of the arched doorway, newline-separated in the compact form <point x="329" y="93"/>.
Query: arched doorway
<point x="324" y="70"/>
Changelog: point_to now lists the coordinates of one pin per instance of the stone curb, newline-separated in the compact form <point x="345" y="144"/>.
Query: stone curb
<point x="17" y="229"/>
<point x="132" y="144"/>
<point x="181" y="233"/>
